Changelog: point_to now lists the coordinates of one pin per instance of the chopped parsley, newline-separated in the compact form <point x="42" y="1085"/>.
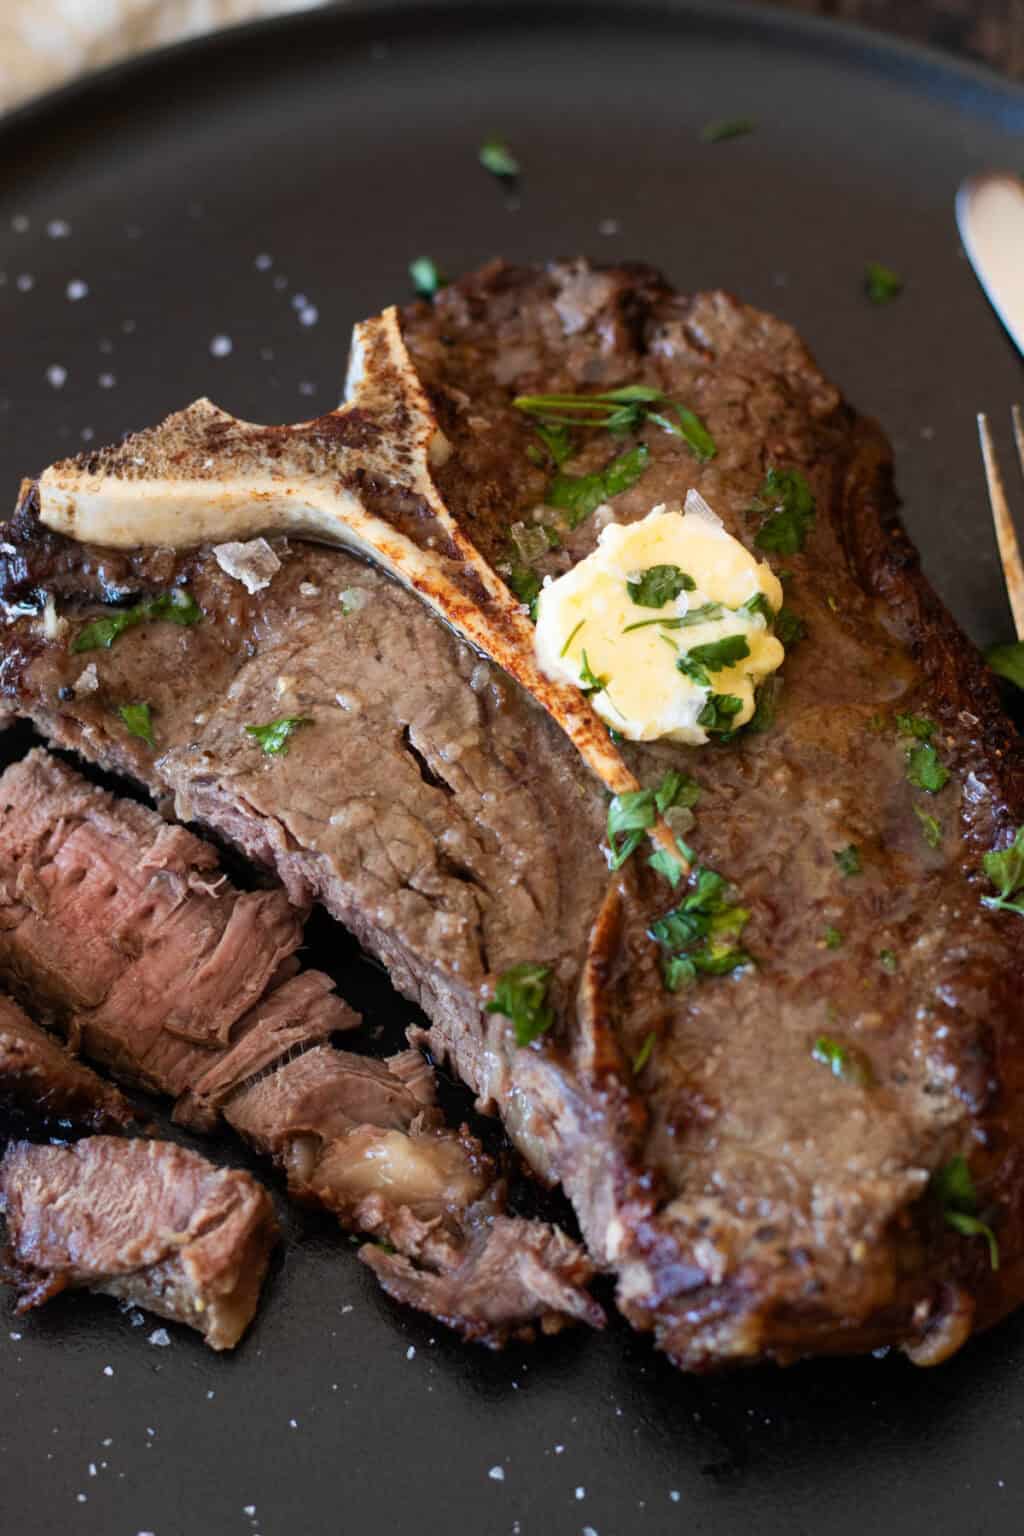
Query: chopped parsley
<point x="632" y="814"/>
<point x="557" y="441"/>
<point x="1005" y="869"/>
<point x="274" y="737"/>
<point x="915" y="725"/>
<point x="719" y="712"/>
<point x="843" y="1061"/>
<point x="427" y="277"/>
<point x="887" y="960"/>
<point x="643" y="1055"/>
<point x="848" y="860"/>
<point x="723" y="128"/>
<point x="138" y="722"/>
<point x="495" y="156"/>
<point x="579" y="495"/>
<point x="789" y="629"/>
<point x="589" y="681"/>
<point x="526" y="585"/>
<point x="833" y="938"/>
<point x="705" y="614"/>
<point x="758" y="604"/>
<point x="765" y="699"/>
<point x="931" y="830"/>
<point x="698" y="938"/>
<point x="881" y="283"/>
<point x="715" y="656"/>
<point x="174" y="607"/>
<point x="954" y="1189"/>
<point x="691" y="429"/>
<point x="787" y="503"/>
<point x="617" y="410"/>
<point x="924" y="769"/>
<point x="1008" y="662"/>
<point x="658" y="585"/>
<point x="521" y="995"/>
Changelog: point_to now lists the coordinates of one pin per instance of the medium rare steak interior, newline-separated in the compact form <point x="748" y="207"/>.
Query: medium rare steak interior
<point x="773" y="1161"/>
<point x="147" y="958"/>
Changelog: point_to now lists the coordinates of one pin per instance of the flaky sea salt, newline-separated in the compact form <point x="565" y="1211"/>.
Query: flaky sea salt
<point x="497" y="1474"/>
<point x="160" y="1337"/>
<point x="77" y="289"/>
<point x="221" y="346"/>
<point x="56" y="376"/>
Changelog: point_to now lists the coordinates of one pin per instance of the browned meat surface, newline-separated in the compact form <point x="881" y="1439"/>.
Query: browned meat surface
<point x="751" y="1202"/>
<point x="363" y="1139"/>
<point x="145" y="1221"/>
<point x="42" y="1080"/>
<point x="111" y="916"/>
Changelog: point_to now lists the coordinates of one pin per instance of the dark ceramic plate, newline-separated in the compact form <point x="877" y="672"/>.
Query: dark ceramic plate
<point x="269" y="187"/>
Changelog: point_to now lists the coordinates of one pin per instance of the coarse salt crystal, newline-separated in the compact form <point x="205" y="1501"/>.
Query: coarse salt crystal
<point x="161" y="1338"/>
<point x="76" y="289"/>
<point x="106" y="380"/>
<point x="108" y="1370"/>
<point x="25" y="282"/>
<point x="58" y="229"/>
<point x="410" y="1353"/>
<point x="221" y="346"/>
<point x="497" y="1473"/>
<point x="253" y="562"/>
<point x="56" y="376"/>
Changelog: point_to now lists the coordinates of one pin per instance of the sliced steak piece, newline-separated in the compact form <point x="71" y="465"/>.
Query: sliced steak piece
<point x="110" y="916"/>
<point x="752" y="1203"/>
<point x="46" y="1085"/>
<point x="145" y="1221"/>
<point x="124" y="929"/>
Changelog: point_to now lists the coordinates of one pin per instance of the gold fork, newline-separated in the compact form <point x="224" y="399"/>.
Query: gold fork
<point x="1006" y="534"/>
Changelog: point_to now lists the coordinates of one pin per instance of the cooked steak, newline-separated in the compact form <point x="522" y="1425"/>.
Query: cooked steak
<point x="46" y="1085"/>
<point x="145" y="1221"/>
<point x="138" y="947"/>
<point x="760" y="1157"/>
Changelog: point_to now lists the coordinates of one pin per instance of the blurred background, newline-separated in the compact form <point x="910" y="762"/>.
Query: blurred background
<point x="44" y="42"/>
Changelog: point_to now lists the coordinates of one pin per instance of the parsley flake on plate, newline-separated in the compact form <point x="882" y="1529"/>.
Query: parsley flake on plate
<point x="881" y="283"/>
<point x="931" y="830"/>
<point x="521" y="995"/>
<point x="720" y="129"/>
<point x="833" y="938"/>
<point x="643" y="1055"/>
<point x="924" y="768"/>
<point x="275" y="736"/>
<point x="427" y="277"/>
<point x="495" y="156"/>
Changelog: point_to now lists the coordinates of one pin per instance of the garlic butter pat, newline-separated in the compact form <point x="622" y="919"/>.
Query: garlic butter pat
<point x="666" y="625"/>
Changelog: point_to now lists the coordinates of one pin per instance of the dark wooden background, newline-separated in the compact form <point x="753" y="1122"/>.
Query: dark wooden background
<point x="989" y="30"/>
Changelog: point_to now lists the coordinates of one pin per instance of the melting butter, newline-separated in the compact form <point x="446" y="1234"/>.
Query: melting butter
<point x="584" y="618"/>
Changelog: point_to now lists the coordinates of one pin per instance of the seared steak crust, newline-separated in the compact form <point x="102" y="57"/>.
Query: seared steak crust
<point x="751" y="1203"/>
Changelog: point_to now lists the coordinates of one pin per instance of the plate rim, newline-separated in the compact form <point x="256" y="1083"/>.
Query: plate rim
<point x="852" y="41"/>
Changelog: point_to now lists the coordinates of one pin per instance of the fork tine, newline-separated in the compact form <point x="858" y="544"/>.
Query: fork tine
<point x="1009" y="549"/>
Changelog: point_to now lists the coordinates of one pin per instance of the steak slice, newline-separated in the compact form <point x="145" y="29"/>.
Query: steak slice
<point x="751" y="1203"/>
<point x="145" y="1221"/>
<point x="112" y="917"/>
<point x="46" y="1085"/>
